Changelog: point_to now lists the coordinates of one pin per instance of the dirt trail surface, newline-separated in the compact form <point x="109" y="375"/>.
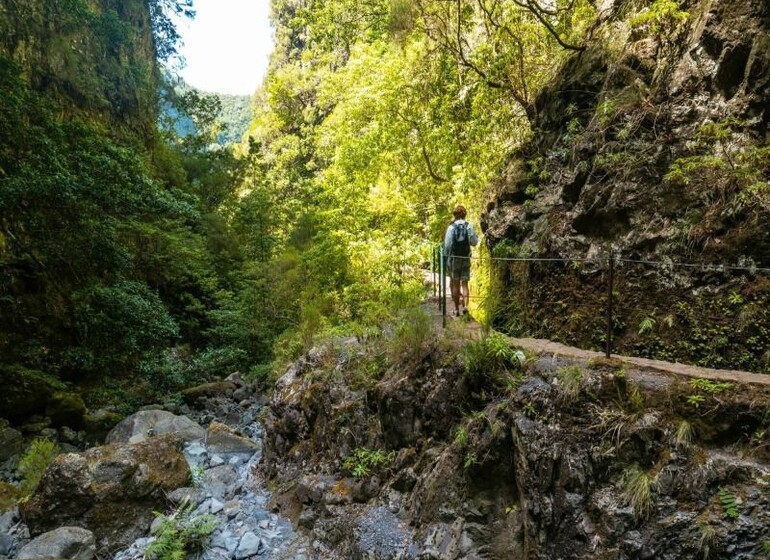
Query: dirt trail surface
<point x="542" y="346"/>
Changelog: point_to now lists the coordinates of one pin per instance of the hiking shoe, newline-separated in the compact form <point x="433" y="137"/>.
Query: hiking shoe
<point x="465" y="310"/>
<point x="457" y="312"/>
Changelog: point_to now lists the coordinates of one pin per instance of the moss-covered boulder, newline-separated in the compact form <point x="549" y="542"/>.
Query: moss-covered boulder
<point x="111" y="490"/>
<point x="66" y="409"/>
<point x="196" y="396"/>
<point x="99" y="423"/>
<point x="11" y="441"/>
<point x="25" y="392"/>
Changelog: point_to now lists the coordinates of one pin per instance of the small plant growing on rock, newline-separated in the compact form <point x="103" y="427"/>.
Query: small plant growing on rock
<point x="571" y="381"/>
<point x="33" y="463"/>
<point x="695" y="400"/>
<point x="197" y="475"/>
<point x="180" y="533"/>
<point x="765" y="546"/>
<point x="362" y="462"/>
<point x="411" y="336"/>
<point x="488" y="358"/>
<point x="470" y="460"/>
<point x="708" y="540"/>
<point x="461" y="436"/>
<point x="711" y="387"/>
<point x="646" y="325"/>
<point x="683" y="435"/>
<point x="638" y="491"/>
<point x="729" y="503"/>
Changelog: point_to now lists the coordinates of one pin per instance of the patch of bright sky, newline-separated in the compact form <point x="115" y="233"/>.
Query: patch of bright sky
<point x="227" y="46"/>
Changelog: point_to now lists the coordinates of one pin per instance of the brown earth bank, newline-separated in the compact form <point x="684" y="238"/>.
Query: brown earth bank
<point x="461" y="450"/>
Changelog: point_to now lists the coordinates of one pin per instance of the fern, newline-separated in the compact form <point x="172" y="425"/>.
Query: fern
<point x="180" y="533"/>
<point x="728" y="501"/>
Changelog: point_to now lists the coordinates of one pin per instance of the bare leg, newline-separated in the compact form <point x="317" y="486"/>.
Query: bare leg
<point x="454" y="288"/>
<point x="466" y="294"/>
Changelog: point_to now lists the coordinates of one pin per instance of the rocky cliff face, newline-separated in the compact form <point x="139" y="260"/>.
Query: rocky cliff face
<point x="91" y="56"/>
<point x="550" y="459"/>
<point x="652" y="143"/>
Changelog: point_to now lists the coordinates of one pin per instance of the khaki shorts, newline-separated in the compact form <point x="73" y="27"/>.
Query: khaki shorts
<point x="459" y="268"/>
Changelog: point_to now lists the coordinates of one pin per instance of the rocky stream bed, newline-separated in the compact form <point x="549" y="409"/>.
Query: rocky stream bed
<point x="221" y="451"/>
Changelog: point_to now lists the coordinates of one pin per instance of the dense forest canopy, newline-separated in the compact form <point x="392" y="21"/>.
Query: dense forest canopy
<point x="131" y="251"/>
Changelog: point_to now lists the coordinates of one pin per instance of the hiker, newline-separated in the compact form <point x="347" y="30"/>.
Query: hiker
<point x="459" y="238"/>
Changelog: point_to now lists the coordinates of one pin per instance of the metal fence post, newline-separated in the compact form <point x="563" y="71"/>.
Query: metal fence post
<point x="442" y="282"/>
<point x="434" y="267"/>
<point x="610" y="283"/>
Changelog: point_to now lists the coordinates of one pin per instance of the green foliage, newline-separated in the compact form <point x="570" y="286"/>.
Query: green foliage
<point x="461" y="436"/>
<point x="729" y="503"/>
<point x="661" y="15"/>
<point x="695" y="400"/>
<point x="411" y="336"/>
<point x="470" y="460"/>
<point x="33" y="462"/>
<point x="487" y="359"/>
<point x="765" y="547"/>
<point x="180" y="534"/>
<point x="646" y="325"/>
<point x="362" y="462"/>
<point x="197" y="475"/>
<point x="117" y="323"/>
<point x="728" y="175"/>
<point x="711" y="387"/>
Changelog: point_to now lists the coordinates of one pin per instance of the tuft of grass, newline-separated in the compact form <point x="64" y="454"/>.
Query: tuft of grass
<point x="491" y="360"/>
<point x="461" y="436"/>
<point x="765" y="546"/>
<point x="571" y="380"/>
<point x="684" y="434"/>
<point x="708" y="540"/>
<point x="638" y="491"/>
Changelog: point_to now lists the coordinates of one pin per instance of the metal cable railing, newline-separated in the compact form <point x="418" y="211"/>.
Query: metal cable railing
<point x="616" y="270"/>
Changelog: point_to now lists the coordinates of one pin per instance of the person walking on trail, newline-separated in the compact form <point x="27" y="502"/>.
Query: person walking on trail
<point x="460" y="237"/>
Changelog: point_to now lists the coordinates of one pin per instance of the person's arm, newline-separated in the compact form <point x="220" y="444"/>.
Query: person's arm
<point x="448" y="240"/>
<point x="473" y="238"/>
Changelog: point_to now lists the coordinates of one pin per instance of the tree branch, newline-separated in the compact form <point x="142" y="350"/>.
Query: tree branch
<point x="535" y="9"/>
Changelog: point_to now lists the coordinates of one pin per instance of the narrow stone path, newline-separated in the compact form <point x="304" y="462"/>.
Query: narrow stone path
<point x="556" y="349"/>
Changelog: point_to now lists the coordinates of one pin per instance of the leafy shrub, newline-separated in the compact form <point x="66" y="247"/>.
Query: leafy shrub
<point x="118" y="322"/>
<point x="411" y="336"/>
<point x="33" y="463"/>
<point x="487" y="360"/>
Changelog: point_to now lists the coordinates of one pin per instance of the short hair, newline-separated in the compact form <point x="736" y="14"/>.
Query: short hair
<point x="459" y="212"/>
